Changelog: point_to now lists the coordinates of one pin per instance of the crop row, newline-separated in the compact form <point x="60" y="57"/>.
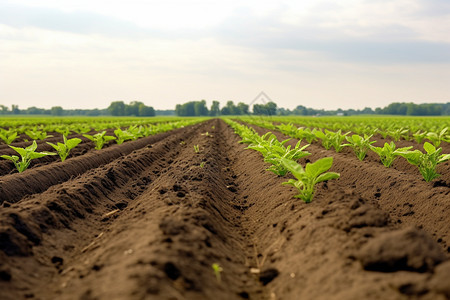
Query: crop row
<point x="133" y="132"/>
<point x="39" y="129"/>
<point x="417" y="129"/>
<point x="426" y="161"/>
<point x="283" y="160"/>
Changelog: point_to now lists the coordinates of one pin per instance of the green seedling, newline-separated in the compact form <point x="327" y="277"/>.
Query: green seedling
<point x="8" y="136"/>
<point x="388" y="153"/>
<point x="196" y="148"/>
<point x="217" y="269"/>
<point x="123" y="135"/>
<point x="308" y="177"/>
<point x="359" y="144"/>
<point x="337" y="139"/>
<point x="273" y="150"/>
<point x="26" y="154"/>
<point x="419" y="136"/>
<point x="325" y="137"/>
<point x="396" y="134"/>
<point x="99" y="139"/>
<point x="437" y="138"/>
<point x="426" y="162"/>
<point x="63" y="130"/>
<point x="202" y="164"/>
<point x="63" y="149"/>
<point x="36" y="134"/>
<point x="207" y="134"/>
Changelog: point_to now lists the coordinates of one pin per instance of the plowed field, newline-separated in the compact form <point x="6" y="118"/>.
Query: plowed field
<point x="148" y="218"/>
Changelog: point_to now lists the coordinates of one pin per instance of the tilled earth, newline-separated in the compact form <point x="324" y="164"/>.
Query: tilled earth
<point x="148" y="218"/>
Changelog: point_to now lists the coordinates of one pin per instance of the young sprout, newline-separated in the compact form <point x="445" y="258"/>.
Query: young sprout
<point x="437" y="138"/>
<point x="325" y="137"/>
<point x="99" y="139"/>
<point x="308" y="177"/>
<point x="26" y="154"/>
<point x="388" y="153"/>
<point x="63" y="149"/>
<point x="359" y="144"/>
<point x="196" y="148"/>
<point x="123" y="135"/>
<point x="426" y="162"/>
<point x="36" y="134"/>
<point x="202" y="164"/>
<point x="7" y="136"/>
<point x="217" y="269"/>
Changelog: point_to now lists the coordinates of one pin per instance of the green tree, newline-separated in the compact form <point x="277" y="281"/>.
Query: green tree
<point x="117" y="108"/>
<point x="15" y="109"/>
<point x="146" y="111"/>
<point x="200" y="108"/>
<point x="215" y="108"/>
<point x="57" y="111"/>
<point x="4" y="110"/>
<point x="242" y="108"/>
<point x="132" y="109"/>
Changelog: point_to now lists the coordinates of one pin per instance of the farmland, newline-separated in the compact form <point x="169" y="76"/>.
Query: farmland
<point x="197" y="209"/>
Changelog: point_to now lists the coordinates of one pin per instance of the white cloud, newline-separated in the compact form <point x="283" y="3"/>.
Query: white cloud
<point x="318" y="53"/>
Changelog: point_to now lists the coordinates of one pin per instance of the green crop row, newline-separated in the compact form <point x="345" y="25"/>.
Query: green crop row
<point x="133" y="132"/>
<point x="39" y="129"/>
<point x="425" y="161"/>
<point x="284" y="159"/>
<point x="435" y="129"/>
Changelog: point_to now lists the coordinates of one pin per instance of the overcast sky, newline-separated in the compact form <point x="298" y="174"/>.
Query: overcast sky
<point x="320" y="54"/>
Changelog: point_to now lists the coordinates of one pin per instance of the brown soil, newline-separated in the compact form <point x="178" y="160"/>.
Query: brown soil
<point x="147" y="219"/>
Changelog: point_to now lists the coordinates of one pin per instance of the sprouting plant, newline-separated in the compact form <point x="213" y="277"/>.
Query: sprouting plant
<point x="99" y="139"/>
<point x="419" y="136"/>
<point x="217" y="269"/>
<point x="388" y="153"/>
<point x="437" y="138"/>
<point x="64" y="130"/>
<point x="325" y="137"/>
<point x="63" y="149"/>
<point x="36" y="134"/>
<point x="397" y="133"/>
<point x="26" y="154"/>
<point x="308" y="177"/>
<point x="207" y="134"/>
<point x="426" y="162"/>
<point x="202" y="164"/>
<point x="8" y="136"/>
<point x="359" y="144"/>
<point x="213" y="127"/>
<point x="273" y="150"/>
<point x="196" y="148"/>
<point x="337" y="139"/>
<point x="182" y="143"/>
<point x="123" y="135"/>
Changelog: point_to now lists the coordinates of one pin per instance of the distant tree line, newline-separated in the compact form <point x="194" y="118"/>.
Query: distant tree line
<point x="54" y="111"/>
<point x="135" y="108"/>
<point x="199" y="108"/>
<point x="116" y="108"/>
<point x="403" y="109"/>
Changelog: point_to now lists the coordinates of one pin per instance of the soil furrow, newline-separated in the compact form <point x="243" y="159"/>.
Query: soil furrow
<point x="407" y="197"/>
<point x="43" y="226"/>
<point x="187" y="219"/>
<point x="16" y="186"/>
<point x="150" y="225"/>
